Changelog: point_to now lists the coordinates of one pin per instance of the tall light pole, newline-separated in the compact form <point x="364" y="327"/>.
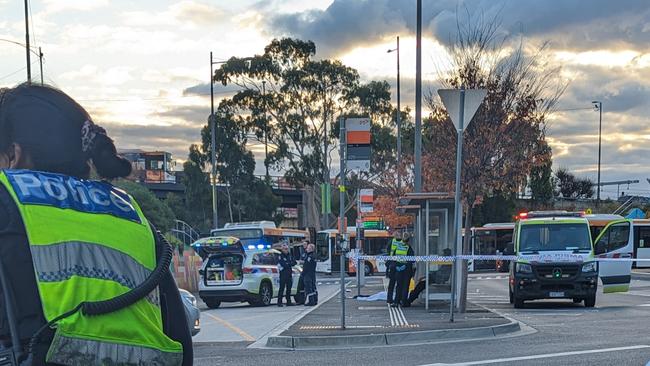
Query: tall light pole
<point x="598" y="105"/>
<point x="399" y="124"/>
<point x="418" y="100"/>
<point x="213" y="153"/>
<point x="29" y="61"/>
<point x="213" y="141"/>
<point x="38" y="54"/>
<point x="266" y="133"/>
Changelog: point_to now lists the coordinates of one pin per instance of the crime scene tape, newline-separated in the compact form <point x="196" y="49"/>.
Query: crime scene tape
<point x="532" y="258"/>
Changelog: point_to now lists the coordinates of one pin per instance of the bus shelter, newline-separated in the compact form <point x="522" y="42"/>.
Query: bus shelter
<point x="433" y="234"/>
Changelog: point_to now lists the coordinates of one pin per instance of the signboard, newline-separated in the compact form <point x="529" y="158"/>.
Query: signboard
<point x="357" y="138"/>
<point x="451" y="98"/>
<point x="365" y="200"/>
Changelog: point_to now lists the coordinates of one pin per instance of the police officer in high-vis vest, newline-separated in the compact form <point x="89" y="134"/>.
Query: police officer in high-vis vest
<point x="89" y="280"/>
<point x="403" y="272"/>
<point x="390" y="266"/>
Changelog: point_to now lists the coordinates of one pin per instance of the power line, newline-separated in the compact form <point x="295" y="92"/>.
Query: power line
<point x="156" y="98"/>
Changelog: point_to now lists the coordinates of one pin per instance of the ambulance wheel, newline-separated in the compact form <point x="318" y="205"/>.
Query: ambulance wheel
<point x="212" y="304"/>
<point x="590" y="301"/>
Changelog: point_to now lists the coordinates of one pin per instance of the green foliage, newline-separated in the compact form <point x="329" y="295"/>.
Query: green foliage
<point x="156" y="211"/>
<point x="541" y="183"/>
<point x="567" y="185"/>
<point x="497" y="208"/>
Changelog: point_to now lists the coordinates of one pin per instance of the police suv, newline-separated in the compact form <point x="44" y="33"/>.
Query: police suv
<point x="234" y="273"/>
<point x="557" y="260"/>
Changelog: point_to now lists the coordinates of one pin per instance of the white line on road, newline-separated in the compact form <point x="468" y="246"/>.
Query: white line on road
<point x="536" y="357"/>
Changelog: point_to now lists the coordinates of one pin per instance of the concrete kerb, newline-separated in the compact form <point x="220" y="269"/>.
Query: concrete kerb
<point x="640" y="276"/>
<point x="273" y="339"/>
<point x="390" y="339"/>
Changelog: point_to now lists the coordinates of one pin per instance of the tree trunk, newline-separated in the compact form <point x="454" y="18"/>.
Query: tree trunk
<point x="466" y="250"/>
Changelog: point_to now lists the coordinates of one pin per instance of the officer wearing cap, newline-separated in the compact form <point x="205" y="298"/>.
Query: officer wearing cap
<point x="403" y="271"/>
<point x="285" y="265"/>
<point x="90" y="279"/>
<point x="390" y="265"/>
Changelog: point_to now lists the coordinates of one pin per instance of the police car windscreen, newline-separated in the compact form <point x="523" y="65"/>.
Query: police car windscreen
<point x="554" y="237"/>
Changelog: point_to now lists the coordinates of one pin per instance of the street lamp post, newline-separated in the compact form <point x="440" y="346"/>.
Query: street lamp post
<point x="39" y="55"/>
<point x="266" y="133"/>
<point x="399" y="123"/>
<point x="418" y="100"/>
<point x="29" y="62"/>
<point x="598" y="105"/>
<point x="213" y="154"/>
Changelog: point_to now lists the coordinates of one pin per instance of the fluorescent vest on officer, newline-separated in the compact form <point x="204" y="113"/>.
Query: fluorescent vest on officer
<point x="401" y="250"/>
<point x="90" y="242"/>
<point x="393" y="245"/>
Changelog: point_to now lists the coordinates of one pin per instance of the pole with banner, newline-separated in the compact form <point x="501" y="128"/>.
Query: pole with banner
<point x="343" y="230"/>
<point x="460" y="103"/>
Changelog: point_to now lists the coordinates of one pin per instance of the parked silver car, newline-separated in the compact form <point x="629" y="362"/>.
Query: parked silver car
<point x="192" y="312"/>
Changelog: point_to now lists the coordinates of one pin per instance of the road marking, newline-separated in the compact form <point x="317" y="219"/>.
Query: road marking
<point x="536" y="357"/>
<point x="228" y="325"/>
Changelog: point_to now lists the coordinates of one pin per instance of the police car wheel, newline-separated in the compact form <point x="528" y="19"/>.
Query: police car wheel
<point x="511" y="297"/>
<point x="265" y="294"/>
<point x="577" y="301"/>
<point x="213" y="304"/>
<point x="590" y="302"/>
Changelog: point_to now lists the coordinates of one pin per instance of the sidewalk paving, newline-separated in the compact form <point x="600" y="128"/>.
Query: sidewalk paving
<point x="375" y="323"/>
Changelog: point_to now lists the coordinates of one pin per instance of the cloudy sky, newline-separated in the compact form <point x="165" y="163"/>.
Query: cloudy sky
<point x="141" y="68"/>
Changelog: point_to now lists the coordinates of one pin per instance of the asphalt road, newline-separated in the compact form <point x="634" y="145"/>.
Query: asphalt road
<point x="612" y="333"/>
<point x="241" y="322"/>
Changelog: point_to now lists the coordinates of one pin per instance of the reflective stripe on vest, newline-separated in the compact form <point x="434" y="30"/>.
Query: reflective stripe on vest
<point x="402" y="250"/>
<point x="90" y="242"/>
<point x="393" y="245"/>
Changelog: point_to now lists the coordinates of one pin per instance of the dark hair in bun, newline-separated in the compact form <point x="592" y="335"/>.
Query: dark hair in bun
<point x="57" y="133"/>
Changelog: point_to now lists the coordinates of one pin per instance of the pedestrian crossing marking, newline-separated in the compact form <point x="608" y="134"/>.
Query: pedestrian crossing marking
<point x="480" y="278"/>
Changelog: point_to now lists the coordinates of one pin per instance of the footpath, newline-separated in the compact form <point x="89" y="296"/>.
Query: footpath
<point x="374" y="323"/>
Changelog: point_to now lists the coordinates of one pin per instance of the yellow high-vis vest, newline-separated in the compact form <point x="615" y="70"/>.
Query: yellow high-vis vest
<point x="90" y="242"/>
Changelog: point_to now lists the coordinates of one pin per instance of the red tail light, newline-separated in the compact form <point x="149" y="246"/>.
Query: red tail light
<point x="248" y="270"/>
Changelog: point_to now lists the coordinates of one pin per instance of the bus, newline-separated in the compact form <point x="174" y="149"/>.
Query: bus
<point x="491" y="239"/>
<point x="640" y="234"/>
<point x="328" y="260"/>
<point x="263" y="234"/>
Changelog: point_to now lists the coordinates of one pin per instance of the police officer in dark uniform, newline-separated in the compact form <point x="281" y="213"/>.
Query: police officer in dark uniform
<point x="390" y="266"/>
<point x="301" y="280"/>
<point x="285" y="264"/>
<point x="403" y="273"/>
<point x="309" y="272"/>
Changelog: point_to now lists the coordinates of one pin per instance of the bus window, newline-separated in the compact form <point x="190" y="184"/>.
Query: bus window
<point x="322" y="246"/>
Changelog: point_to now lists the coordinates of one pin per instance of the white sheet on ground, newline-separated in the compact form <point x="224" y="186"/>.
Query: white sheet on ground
<point x="379" y="296"/>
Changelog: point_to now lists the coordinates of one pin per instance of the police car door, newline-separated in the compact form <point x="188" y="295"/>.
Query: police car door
<point x="615" y="242"/>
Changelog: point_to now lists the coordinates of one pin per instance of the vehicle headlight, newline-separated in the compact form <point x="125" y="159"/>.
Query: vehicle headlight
<point x="524" y="268"/>
<point x="589" y="267"/>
